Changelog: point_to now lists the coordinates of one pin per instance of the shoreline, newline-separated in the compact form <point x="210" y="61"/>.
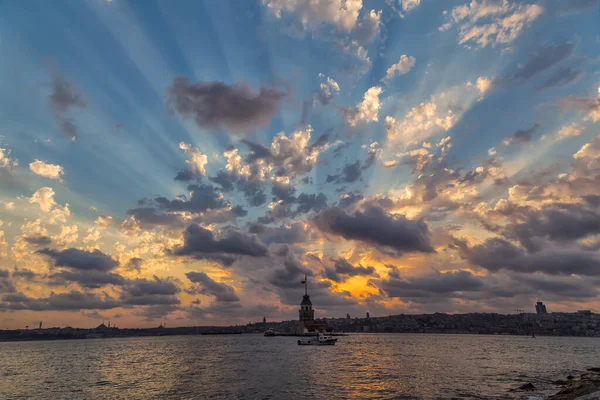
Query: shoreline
<point x="84" y="334"/>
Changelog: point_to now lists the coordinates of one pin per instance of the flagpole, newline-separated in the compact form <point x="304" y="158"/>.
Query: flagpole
<point x="305" y="285"/>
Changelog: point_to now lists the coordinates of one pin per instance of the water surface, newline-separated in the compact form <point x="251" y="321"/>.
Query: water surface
<point x="361" y="366"/>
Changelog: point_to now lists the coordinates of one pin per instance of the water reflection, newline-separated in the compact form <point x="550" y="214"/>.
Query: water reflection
<point x="254" y="367"/>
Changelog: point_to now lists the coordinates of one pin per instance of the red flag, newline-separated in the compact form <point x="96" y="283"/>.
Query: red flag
<point x="303" y="282"/>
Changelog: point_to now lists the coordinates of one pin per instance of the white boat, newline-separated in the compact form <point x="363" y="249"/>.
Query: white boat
<point x="321" y="340"/>
<point x="269" y="332"/>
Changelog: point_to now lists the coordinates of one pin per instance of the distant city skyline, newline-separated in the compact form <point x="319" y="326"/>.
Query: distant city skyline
<point x="191" y="162"/>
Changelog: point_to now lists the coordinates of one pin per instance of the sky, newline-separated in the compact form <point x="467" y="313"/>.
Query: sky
<point x="189" y="162"/>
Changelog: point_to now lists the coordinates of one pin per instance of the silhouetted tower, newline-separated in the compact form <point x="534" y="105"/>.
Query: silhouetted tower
<point x="368" y="315"/>
<point x="264" y="320"/>
<point x="307" y="314"/>
<point x="40" y="325"/>
<point x="540" y="308"/>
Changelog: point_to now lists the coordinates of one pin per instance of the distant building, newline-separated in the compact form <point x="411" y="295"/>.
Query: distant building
<point x="347" y="316"/>
<point x="368" y="315"/>
<point x="540" y="308"/>
<point x="586" y="312"/>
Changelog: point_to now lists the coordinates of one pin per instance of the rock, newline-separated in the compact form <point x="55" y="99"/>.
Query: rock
<point x="594" y="369"/>
<point x="570" y="377"/>
<point x="560" y="382"/>
<point x="527" y="386"/>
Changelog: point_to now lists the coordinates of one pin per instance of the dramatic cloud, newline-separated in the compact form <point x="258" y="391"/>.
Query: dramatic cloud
<point x="376" y="226"/>
<point x="207" y="286"/>
<point x="217" y="105"/>
<point x="402" y="67"/>
<point x="71" y="301"/>
<point x="365" y="111"/>
<point x="342" y="269"/>
<point x="195" y="164"/>
<point x="81" y="259"/>
<point x="47" y="170"/>
<point x="148" y="292"/>
<point x="201" y="243"/>
<point x="91" y="279"/>
<point x="490" y="22"/>
<point x="496" y="254"/>
<point x="202" y="198"/>
<point x="439" y="284"/>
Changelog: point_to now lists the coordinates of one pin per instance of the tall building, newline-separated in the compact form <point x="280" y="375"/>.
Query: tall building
<point x="540" y="308"/>
<point x="306" y="322"/>
<point x="306" y="312"/>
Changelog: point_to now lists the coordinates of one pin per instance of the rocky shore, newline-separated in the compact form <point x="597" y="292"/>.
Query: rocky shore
<point x="586" y="387"/>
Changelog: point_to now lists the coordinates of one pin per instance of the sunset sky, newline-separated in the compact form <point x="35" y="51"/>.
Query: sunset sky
<point x="190" y="161"/>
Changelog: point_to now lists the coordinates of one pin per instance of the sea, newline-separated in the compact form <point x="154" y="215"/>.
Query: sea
<point x="251" y="366"/>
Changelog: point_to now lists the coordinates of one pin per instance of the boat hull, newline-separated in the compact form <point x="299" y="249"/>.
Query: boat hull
<point x="311" y="342"/>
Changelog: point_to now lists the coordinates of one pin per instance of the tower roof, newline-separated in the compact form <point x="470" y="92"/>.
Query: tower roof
<point x="306" y="301"/>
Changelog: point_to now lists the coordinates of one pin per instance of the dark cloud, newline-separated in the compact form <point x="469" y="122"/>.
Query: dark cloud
<point x="25" y="274"/>
<point x="342" y="270"/>
<point x="149" y="217"/>
<point x="521" y="135"/>
<point x="202" y="198"/>
<point x="200" y="243"/>
<point x="150" y="292"/>
<point x="39" y="240"/>
<point x="562" y="77"/>
<point x="81" y="259"/>
<point x="496" y="254"/>
<point x="544" y="58"/>
<point x="71" y="301"/>
<point x="435" y="285"/>
<point x="289" y="275"/>
<point x="251" y="188"/>
<point x="234" y="107"/>
<point x="350" y="173"/>
<point x="135" y="264"/>
<point x="376" y="226"/>
<point x="285" y="234"/>
<point x="157" y="311"/>
<point x="557" y="222"/>
<point x="63" y="98"/>
<point x="350" y="199"/>
<point x="284" y="192"/>
<point x="186" y="175"/>
<point x="310" y="202"/>
<point x="342" y="266"/>
<point x="257" y="151"/>
<point x="6" y="284"/>
<point x="207" y="286"/>
<point x="91" y="279"/>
